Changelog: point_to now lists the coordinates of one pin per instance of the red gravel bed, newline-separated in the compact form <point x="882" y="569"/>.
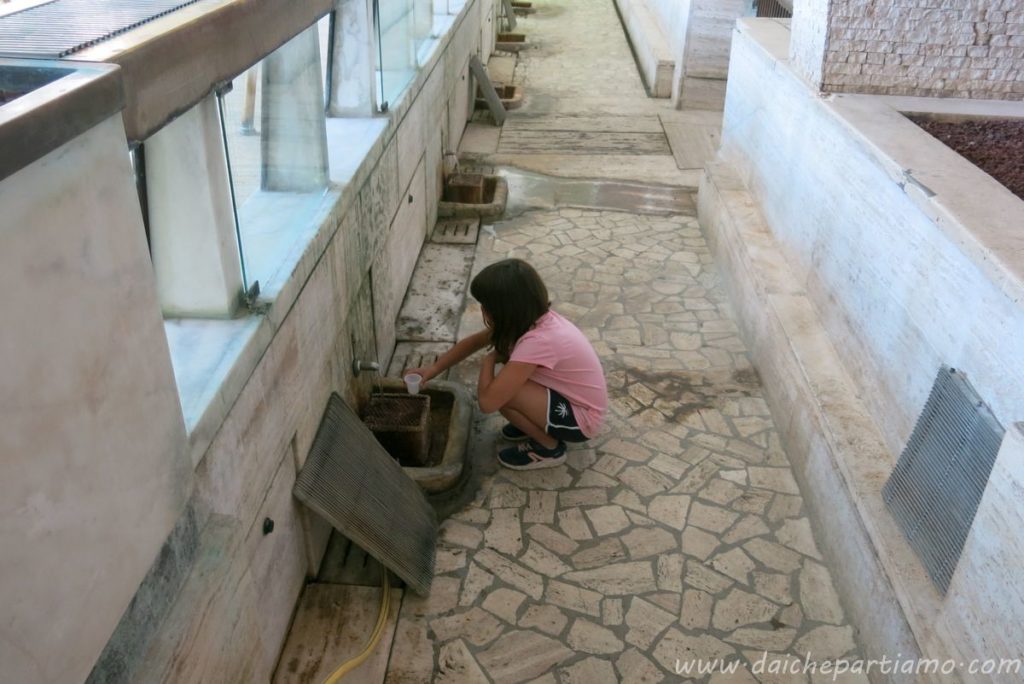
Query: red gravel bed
<point x="995" y="147"/>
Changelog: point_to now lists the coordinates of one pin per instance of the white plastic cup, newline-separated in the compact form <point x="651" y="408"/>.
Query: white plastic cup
<point x="412" y="382"/>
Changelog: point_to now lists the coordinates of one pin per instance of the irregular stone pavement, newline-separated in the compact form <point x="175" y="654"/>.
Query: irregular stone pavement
<point x="679" y="534"/>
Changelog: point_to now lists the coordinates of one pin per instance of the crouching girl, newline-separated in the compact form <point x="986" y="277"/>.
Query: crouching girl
<point x="550" y="387"/>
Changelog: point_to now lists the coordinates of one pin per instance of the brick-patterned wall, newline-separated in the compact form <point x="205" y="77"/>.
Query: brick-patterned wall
<point x="952" y="48"/>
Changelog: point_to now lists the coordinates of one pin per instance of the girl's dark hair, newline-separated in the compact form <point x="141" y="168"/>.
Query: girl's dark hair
<point x="514" y="296"/>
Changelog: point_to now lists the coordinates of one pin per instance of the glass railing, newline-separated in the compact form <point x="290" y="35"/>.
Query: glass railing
<point x="396" y="48"/>
<point x="275" y="143"/>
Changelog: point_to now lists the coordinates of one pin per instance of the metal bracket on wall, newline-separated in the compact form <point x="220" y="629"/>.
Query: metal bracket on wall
<point x="509" y="15"/>
<point x="487" y="88"/>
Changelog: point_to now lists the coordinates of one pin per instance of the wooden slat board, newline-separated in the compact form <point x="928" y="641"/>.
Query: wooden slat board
<point x="572" y="122"/>
<point x="333" y="623"/>
<point x="581" y="142"/>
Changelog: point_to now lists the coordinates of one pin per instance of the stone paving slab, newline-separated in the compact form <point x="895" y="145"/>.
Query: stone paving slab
<point x="692" y="145"/>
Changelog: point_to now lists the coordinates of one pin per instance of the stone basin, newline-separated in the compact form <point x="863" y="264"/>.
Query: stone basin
<point x="495" y="197"/>
<point x="510" y="42"/>
<point x="451" y="414"/>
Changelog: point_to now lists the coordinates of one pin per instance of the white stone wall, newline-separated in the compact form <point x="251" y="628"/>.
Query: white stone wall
<point x="861" y="267"/>
<point x="97" y="467"/>
<point x="970" y="49"/>
<point x="94" y="469"/>
<point x="903" y="286"/>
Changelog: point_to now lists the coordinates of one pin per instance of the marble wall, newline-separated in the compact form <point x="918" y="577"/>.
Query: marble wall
<point x="94" y="470"/>
<point x="908" y="271"/>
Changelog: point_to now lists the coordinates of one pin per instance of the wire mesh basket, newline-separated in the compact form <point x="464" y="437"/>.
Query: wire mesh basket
<point x="401" y="423"/>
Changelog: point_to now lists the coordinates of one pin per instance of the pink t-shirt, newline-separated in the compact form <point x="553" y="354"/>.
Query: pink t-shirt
<point x="568" y="364"/>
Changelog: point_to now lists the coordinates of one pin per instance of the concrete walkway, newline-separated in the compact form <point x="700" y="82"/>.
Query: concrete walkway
<point x="677" y="537"/>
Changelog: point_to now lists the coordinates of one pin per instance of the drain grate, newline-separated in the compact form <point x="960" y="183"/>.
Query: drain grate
<point x="62" y="27"/>
<point x="936" y="487"/>
<point x="462" y="231"/>
<point x="351" y="482"/>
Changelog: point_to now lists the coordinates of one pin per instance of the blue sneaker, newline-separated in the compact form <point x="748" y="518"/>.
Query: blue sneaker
<point x="512" y="433"/>
<point x="531" y="456"/>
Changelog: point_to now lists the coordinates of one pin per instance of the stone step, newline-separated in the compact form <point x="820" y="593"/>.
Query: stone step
<point x="332" y="624"/>
<point x="433" y="303"/>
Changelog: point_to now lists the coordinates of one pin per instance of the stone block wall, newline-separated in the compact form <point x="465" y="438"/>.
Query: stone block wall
<point x="936" y="48"/>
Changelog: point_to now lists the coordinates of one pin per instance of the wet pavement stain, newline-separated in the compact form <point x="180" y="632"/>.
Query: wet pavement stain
<point x="690" y="391"/>
<point x="530" y="191"/>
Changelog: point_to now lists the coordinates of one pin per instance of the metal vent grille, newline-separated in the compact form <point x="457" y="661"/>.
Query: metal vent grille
<point x="63" y="27"/>
<point x="935" y="489"/>
<point x="774" y="9"/>
<point x="354" y="484"/>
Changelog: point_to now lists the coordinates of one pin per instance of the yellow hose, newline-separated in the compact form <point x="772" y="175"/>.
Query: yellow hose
<point x="375" y="636"/>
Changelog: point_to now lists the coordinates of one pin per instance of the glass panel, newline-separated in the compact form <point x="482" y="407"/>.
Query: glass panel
<point x="325" y="28"/>
<point x="396" y="58"/>
<point x="238" y="116"/>
<point x="275" y="140"/>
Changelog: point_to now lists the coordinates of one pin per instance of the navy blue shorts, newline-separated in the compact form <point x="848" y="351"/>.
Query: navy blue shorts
<point x="562" y="419"/>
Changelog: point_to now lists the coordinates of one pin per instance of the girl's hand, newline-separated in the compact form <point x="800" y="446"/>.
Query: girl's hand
<point x="426" y="373"/>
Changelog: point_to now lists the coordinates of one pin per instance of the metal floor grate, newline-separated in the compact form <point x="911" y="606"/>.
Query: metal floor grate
<point x="354" y="484"/>
<point x="936" y="487"/>
<point x="62" y="27"/>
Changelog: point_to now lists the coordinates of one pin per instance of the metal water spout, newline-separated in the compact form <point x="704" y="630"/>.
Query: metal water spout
<point x="365" y="366"/>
